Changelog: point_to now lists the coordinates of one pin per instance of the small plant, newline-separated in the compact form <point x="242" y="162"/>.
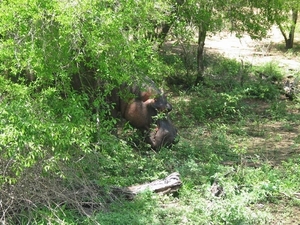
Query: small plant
<point x="288" y="126"/>
<point x="226" y="75"/>
<point x="297" y="139"/>
<point x="213" y="105"/>
<point x="270" y="72"/>
<point x="277" y="110"/>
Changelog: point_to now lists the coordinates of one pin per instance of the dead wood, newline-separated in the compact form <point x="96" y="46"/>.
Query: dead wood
<point x="168" y="185"/>
<point x="33" y="191"/>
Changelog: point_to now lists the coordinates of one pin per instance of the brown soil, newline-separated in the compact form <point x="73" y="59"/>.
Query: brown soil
<point x="253" y="51"/>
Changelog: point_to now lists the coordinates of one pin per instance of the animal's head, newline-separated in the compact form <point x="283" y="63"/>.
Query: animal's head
<point x="161" y="104"/>
<point x="163" y="134"/>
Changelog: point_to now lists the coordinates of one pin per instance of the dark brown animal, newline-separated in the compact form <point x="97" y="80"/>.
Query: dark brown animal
<point x="138" y="104"/>
<point x="139" y="113"/>
<point x="146" y="90"/>
<point x="163" y="134"/>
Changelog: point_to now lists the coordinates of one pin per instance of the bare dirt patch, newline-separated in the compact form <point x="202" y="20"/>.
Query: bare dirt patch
<point x="253" y="51"/>
<point x="273" y="142"/>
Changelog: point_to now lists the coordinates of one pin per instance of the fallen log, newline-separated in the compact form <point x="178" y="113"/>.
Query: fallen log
<point x="168" y="185"/>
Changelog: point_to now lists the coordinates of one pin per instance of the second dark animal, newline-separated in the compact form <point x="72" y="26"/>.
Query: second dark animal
<point x="163" y="134"/>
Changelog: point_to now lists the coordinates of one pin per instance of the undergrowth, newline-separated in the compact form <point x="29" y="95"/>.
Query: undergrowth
<point x="216" y="122"/>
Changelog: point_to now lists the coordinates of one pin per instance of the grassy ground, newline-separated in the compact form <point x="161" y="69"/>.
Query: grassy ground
<point x="253" y="156"/>
<point x="239" y="138"/>
<point x="238" y="156"/>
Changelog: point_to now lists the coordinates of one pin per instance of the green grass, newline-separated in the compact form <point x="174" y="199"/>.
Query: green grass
<point x="232" y="132"/>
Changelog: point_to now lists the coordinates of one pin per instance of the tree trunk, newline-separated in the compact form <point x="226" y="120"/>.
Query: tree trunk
<point x="289" y="40"/>
<point x="202" y="30"/>
<point x="290" y="43"/>
<point x="162" y="30"/>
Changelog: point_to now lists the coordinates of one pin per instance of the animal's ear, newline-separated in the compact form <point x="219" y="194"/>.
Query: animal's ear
<point x="150" y="94"/>
<point x="149" y="101"/>
<point x="145" y="95"/>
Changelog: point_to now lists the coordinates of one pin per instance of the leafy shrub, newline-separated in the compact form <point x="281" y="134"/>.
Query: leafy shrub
<point x="40" y="129"/>
<point x="227" y="84"/>
<point x="225" y="75"/>
<point x="265" y="91"/>
<point x="269" y="71"/>
<point x="44" y="138"/>
<point x="212" y="104"/>
<point x="266" y="83"/>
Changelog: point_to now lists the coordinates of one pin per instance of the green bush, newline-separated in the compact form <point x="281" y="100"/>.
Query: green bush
<point x="208" y="104"/>
<point x="222" y="95"/>
<point x="269" y="71"/>
<point x="262" y="89"/>
<point x="266" y="83"/>
<point x="226" y="75"/>
<point x="35" y="130"/>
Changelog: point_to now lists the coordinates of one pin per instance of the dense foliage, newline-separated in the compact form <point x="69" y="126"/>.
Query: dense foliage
<point x="58" y="62"/>
<point x="59" y="47"/>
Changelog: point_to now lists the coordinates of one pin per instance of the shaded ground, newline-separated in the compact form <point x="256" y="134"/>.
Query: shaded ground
<point x="267" y="140"/>
<point x="264" y="140"/>
<point x="272" y="142"/>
